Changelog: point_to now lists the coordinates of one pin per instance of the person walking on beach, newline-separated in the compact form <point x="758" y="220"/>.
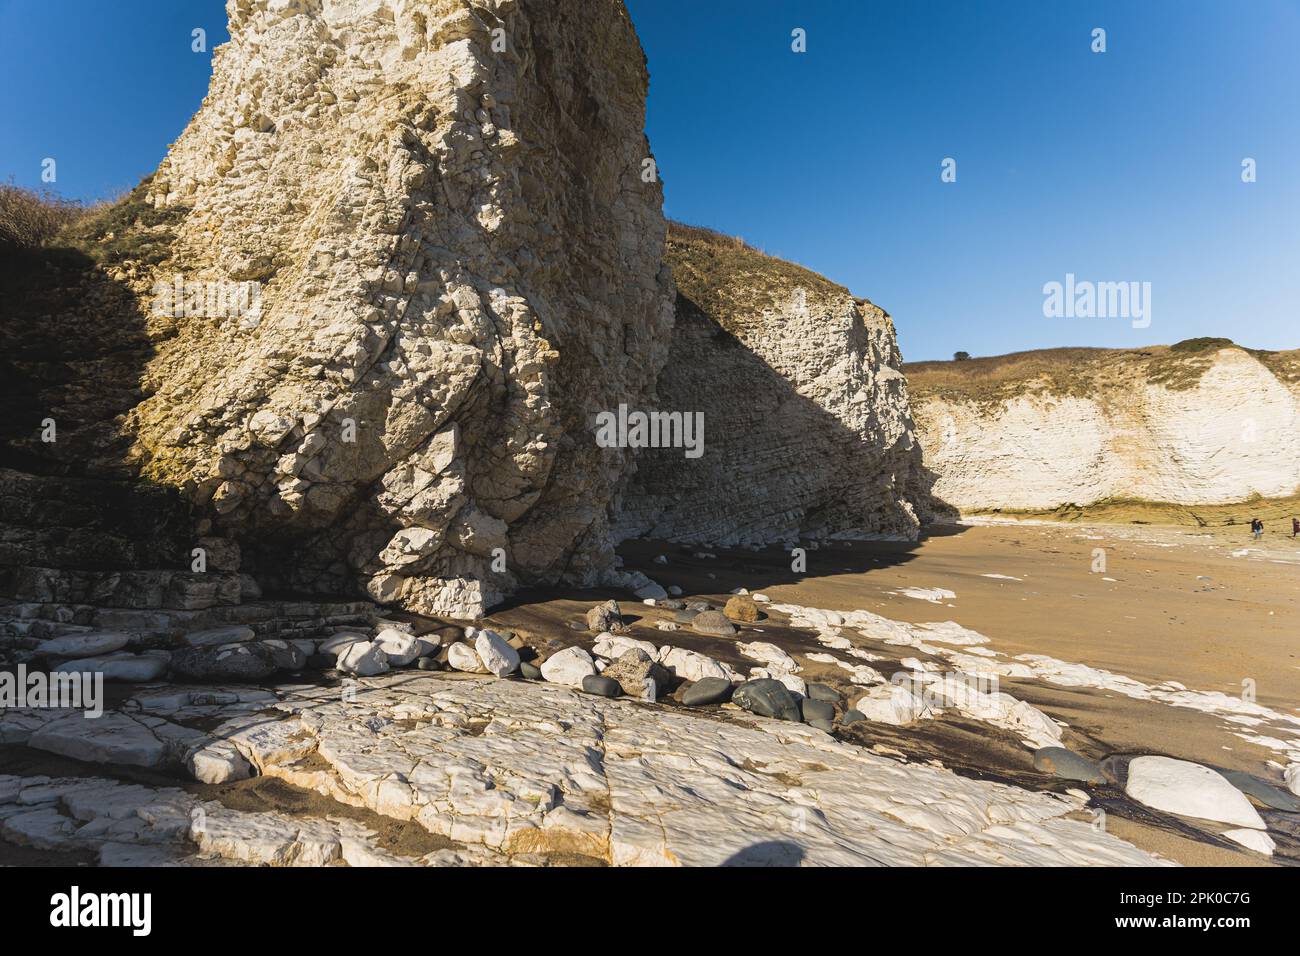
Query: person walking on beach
<point x="1295" y="527"/>
<point x="1257" y="526"/>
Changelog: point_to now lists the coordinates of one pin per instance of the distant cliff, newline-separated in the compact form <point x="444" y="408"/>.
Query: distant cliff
<point x="1201" y="422"/>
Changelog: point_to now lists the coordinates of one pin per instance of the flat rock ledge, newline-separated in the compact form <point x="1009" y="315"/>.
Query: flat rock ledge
<point x="516" y="773"/>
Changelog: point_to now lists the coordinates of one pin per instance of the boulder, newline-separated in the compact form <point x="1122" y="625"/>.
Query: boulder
<point x="713" y="623"/>
<point x="811" y="709"/>
<point x="793" y="683"/>
<point x="216" y="636"/>
<point x="339" y="642"/>
<point x="568" y="666"/>
<point x="124" y="667"/>
<point x="400" y="647"/>
<point x="1255" y="840"/>
<point x="613" y="646"/>
<point x="707" y="690"/>
<point x="891" y="704"/>
<point x="601" y="685"/>
<point x="639" y="674"/>
<point x="1261" y="791"/>
<point x="462" y="657"/>
<point x="774" y="659"/>
<point x="604" y="617"/>
<point x="217" y="762"/>
<point x="364" y="659"/>
<point x="495" y="652"/>
<point x="83" y="645"/>
<point x="852" y="716"/>
<point x="232" y="662"/>
<point x="691" y="665"/>
<point x="823" y="692"/>
<point x="529" y="670"/>
<point x="1189" y="790"/>
<point x="1068" y="765"/>
<point x="741" y="607"/>
<point x="767" y="698"/>
<point x="286" y="655"/>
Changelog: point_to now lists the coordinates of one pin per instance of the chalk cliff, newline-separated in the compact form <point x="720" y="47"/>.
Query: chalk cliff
<point x="1202" y="422"/>
<point x="807" y="428"/>
<point x="354" y="336"/>
<point x="459" y="264"/>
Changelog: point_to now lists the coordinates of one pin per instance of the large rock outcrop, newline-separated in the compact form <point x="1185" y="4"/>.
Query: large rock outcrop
<point x="807" y="428"/>
<point x="1197" y="423"/>
<point x="451" y="263"/>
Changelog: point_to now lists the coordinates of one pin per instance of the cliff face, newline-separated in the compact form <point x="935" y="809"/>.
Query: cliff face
<point x="807" y="430"/>
<point x="450" y="264"/>
<point x="1198" y="425"/>
<point x="357" y="333"/>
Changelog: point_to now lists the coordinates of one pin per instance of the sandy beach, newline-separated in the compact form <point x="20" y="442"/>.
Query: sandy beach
<point x="1211" y="611"/>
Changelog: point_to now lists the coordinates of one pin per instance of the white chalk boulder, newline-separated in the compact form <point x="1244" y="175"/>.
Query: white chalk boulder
<point x="1189" y="790"/>
<point x="400" y="647"/>
<point x="1255" y="840"/>
<point x="461" y="657"/>
<point x="365" y="659"/>
<point x="568" y="666"/>
<point x="496" y="653"/>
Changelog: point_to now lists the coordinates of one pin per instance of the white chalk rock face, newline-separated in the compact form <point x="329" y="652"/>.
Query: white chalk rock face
<point x="497" y="655"/>
<point x="1189" y="790"/>
<point x="447" y="263"/>
<point x="364" y="659"/>
<point x="1159" y="426"/>
<point x="820" y="373"/>
<point x="568" y="666"/>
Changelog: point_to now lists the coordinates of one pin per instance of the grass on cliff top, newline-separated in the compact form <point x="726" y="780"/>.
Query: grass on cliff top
<point x="731" y="281"/>
<point x="1081" y="372"/>
<point x="30" y="219"/>
<point x="42" y="226"/>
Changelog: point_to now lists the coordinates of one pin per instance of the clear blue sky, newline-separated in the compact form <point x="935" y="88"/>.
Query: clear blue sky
<point x="1115" y="166"/>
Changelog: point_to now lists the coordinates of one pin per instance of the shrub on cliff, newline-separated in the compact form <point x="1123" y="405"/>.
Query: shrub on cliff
<point x="29" y="219"/>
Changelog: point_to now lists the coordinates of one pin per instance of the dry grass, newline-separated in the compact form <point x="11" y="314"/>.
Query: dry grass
<point x="30" y="219"/>
<point x="733" y="282"/>
<point x="1080" y="372"/>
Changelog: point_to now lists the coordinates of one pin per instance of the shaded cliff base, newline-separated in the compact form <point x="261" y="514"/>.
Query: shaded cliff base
<point x="1234" y="517"/>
